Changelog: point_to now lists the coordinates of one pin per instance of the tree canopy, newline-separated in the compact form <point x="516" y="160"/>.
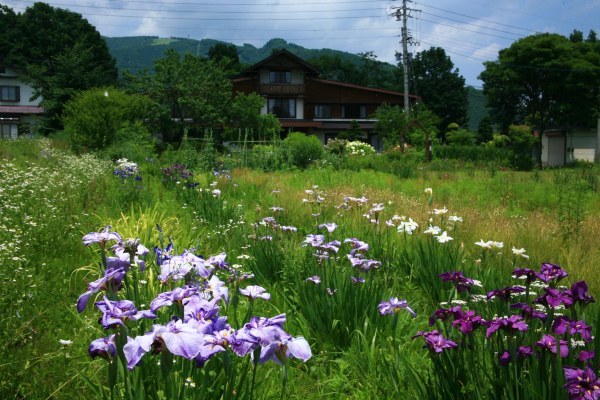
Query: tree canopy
<point x="192" y="92"/>
<point x="440" y="86"/>
<point x="59" y="53"/>
<point x="544" y="80"/>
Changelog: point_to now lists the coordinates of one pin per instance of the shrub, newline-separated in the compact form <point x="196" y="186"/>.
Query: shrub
<point x="358" y="148"/>
<point x="460" y="137"/>
<point x="94" y="116"/>
<point x="132" y="141"/>
<point x="336" y="146"/>
<point x="301" y="150"/>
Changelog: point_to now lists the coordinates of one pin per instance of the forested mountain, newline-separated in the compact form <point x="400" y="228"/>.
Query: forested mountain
<point x="139" y="52"/>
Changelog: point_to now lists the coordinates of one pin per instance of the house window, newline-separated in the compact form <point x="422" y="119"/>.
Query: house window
<point x="9" y="93"/>
<point x="280" y="76"/>
<point x="8" y="131"/>
<point x="354" y="111"/>
<point x="322" y="111"/>
<point x="282" y="108"/>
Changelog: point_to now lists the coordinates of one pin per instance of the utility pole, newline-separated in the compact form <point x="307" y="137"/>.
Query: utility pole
<point x="402" y="13"/>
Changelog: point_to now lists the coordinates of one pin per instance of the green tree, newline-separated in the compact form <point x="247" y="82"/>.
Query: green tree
<point x="226" y="55"/>
<point x="543" y="80"/>
<point x="93" y="117"/>
<point x="194" y="94"/>
<point x="353" y="133"/>
<point x="485" y="130"/>
<point x="60" y="54"/>
<point x="440" y="86"/>
<point x="393" y="126"/>
<point x="332" y="67"/>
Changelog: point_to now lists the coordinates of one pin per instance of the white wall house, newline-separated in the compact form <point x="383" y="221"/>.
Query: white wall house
<point x="563" y="147"/>
<point x="18" y="113"/>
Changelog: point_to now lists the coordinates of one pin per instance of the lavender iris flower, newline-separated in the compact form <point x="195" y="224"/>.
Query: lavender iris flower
<point x="255" y="292"/>
<point x="217" y="288"/>
<point x="581" y="384"/>
<point x="176" y="296"/>
<point x="177" y="267"/>
<point x="163" y="254"/>
<point x="118" y="312"/>
<point x="101" y="237"/>
<point x="111" y="281"/>
<point x="284" y="348"/>
<point x="258" y="332"/>
<point x="103" y="347"/>
<point x="218" y="261"/>
<point x="394" y="306"/>
<point x="179" y="338"/>
<point x="314" y="279"/>
<point x="357" y="246"/>
<point x="330" y="227"/>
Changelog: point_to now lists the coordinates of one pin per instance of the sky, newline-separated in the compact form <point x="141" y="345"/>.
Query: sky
<point x="470" y="31"/>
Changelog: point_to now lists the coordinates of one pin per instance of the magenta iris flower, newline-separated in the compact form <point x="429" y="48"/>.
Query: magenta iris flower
<point x="550" y="272"/>
<point x="581" y="384"/>
<point x="529" y="274"/>
<point x="510" y="324"/>
<point x="461" y="283"/>
<point x="579" y="293"/>
<point x="394" y="306"/>
<point x="528" y="311"/>
<point x="563" y="325"/>
<point x="435" y="341"/>
<point x="548" y="342"/>
<point x="552" y="298"/>
<point x="467" y="322"/>
<point x="505" y="293"/>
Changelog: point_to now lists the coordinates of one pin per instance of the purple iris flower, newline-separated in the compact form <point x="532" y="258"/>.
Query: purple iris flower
<point x="563" y="325"/>
<point x="118" y="312"/>
<point x="259" y="331"/>
<point x="549" y="272"/>
<point x="528" y="311"/>
<point x="468" y="322"/>
<point x="179" y="338"/>
<point x="199" y="309"/>
<point x="132" y="247"/>
<point x="363" y="263"/>
<point x="394" y="306"/>
<point x="511" y="324"/>
<point x="461" y="283"/>
<point x="313" y="240"/>
<point x="284" y="348"/>
<point x="444" y="313"/>
<point x="548" y="342"/>
<point x="314" y="279"/>
<point x="288" y="228"/>
<point x="255" y="292"/>
<point x="217" y="287"/>
<point x="356" y="280"/>
<point x="214" y="343"/>
<point x="505" y="293"/>
<point x="553" y="298"/>
<point x="435" y="341"/>
<point x="103" y="347"/>
<point x="163" y="254"/>
<point x="581" y="384"/>
<point x="111" y="281"/>
<point x="529" y="274"/>
<point x="586" y="355"/>
<point x="579" y="293"/>
<point x="101" y="237"/>
<point x="178" y="295"/>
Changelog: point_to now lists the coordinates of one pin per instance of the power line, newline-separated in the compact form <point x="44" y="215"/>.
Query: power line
<point x="478" y="26"/>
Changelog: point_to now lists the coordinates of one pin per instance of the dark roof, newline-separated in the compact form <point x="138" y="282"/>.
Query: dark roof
<point x="282" y="53"/>
<point x="353" y="86"/>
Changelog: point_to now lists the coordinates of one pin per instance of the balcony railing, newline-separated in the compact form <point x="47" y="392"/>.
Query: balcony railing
<point x="274" y="89"/>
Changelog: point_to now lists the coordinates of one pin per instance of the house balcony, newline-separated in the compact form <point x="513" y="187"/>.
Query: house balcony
<point x="275" y="89"/>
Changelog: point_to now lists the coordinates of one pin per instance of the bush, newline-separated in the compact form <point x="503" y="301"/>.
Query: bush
<point x="460" y="137"/>
<point x="266" y="157"/>
<point x="475" y="154"/>
<point x="301" y="150"/>
<point x="358" y="148"/>
<point x="132" y="141"/>
<point x="336" y="146"/>
<point x="94" y="116"/>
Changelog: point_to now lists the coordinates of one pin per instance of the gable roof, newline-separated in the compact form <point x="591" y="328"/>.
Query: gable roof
<point x="282" y="59"/>
<point x="365" y="88"/>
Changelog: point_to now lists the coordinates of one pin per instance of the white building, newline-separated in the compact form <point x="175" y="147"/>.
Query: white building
<point x="563" y="147"/>
<point x="18" y="114"/>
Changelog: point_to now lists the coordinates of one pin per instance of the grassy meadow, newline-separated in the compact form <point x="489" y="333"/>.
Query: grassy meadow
<point x="347" y="256"/>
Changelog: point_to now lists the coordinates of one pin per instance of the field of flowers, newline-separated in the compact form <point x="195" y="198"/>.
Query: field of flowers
<point x="150" y="280"/>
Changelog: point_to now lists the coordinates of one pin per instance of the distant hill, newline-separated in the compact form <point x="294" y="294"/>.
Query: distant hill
<point x="477" y="107"/>
<point x="139" y="52"/>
